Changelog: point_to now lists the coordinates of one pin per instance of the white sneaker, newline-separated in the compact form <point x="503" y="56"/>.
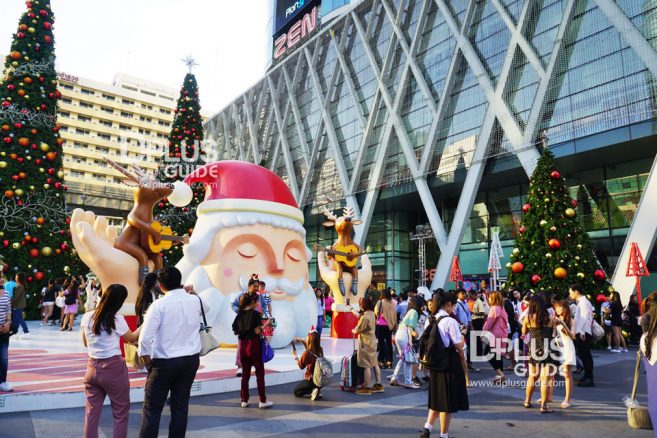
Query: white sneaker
<point x="615" y="350"/>
<point x="26" y="335"/>
<point x="245" y="404"/>
<point x="265" y="405"/>
<point x="608" y="347"/>
<point x="624" y="350"/>
<point x="238" y="373"/>
<point x="314" y="394"/>
<point x="5" y="387"/>
<point x="413" y="385"/>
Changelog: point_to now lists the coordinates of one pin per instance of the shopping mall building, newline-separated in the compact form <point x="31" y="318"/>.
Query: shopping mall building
<point x="434" y="112"/>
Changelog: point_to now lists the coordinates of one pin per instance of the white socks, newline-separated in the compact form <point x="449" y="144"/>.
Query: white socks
<point x="428" y="426"/>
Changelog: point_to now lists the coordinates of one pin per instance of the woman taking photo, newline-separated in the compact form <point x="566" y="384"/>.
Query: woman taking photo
<point x="367" y="347"/>
<point x="107" y="373"/>
<point x="385" y="312"/>
<point x="541" y="364"/>
<point x="308" y="360"/>
<point x="496" y="324"/>
<point x="406" y="369"/>
<point x="248" y="328"/>
<point x="447" y="390"/>
<point x="565" y="329"/>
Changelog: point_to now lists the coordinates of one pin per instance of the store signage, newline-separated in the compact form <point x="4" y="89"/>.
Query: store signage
<point x="68" y="78"/>
<point x="304" y="26"/>
<point x="289" y="10"/>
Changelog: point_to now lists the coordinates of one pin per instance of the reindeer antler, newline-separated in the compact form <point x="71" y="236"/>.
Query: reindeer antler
<point x="349" y="212"/>
<point x="329" y="214"/>
<point x="141" y="173"/>
<point x="123" y="170"/>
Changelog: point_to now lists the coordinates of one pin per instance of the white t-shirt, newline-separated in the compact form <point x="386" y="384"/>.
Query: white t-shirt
<point x="448" y="328"/>
<point x="104" y="345"/>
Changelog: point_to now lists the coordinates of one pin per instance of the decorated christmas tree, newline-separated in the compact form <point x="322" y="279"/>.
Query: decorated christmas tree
<point x="184" y="154"/>
<point x="33" y="221"/>
<point x="552" y="250"/>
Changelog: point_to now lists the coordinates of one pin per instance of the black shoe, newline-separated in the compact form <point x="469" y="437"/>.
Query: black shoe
<point x="417" y="380"/>
<point x="586" y="383"/>
<point x="426" y="433"/>
<point x="425" y="379"/>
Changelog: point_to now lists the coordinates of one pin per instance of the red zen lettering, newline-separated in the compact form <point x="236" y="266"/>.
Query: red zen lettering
<point x="297" y="32"/>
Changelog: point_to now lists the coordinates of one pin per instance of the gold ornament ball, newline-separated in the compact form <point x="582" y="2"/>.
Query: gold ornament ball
<point x="543" y="223"/>
<point x="546" y="200"/>
<point x="580" y="275"/>
<point x="67" y="269"/>
<point x="46" y="186"/>
<point x="570" y="212"/>
<point x="60" y="174"/>
<point x="553" y="229"/>
<point x="579" y="246"/>
<point x="16" y="245"/>
<point x="548" y="255"/>
<point x="508" y="266"/>
<point x="515" y="251"/>
<point x="576" y="257"/>
<point x="2" y="234"/>
<point x="46" y="251"/>
<point x="560" y="273"/>
<point x="44" y="147"/>
<point x="19" y="192"/>
<point x="3" y="164"/>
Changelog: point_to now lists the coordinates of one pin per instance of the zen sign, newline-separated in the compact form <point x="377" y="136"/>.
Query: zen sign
<point x="298" y="30"/>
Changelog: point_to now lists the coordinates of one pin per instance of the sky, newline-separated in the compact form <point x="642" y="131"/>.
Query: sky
<point x="95" y="39"/>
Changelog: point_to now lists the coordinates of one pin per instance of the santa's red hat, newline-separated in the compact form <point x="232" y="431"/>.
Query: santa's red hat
<point x="238" y="186"/>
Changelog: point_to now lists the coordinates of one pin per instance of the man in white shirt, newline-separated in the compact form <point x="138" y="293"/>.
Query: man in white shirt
<point x="170" y="344"/>
<point x="583" y="338"/>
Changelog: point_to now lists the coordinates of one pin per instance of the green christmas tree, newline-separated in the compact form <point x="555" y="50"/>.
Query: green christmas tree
<point x="552" y="250"/>
<point x="183" y="156"/>
<point x="33" y="219"/>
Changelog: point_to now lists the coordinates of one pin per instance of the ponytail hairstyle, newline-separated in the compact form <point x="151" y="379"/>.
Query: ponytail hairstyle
<point x="110" y="303"/>
<point x="441" y="298"/>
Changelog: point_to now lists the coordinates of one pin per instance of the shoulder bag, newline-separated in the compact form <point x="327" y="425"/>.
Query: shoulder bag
<point x="208" y="341"/>
<point x="637" y="416"/>
<point x="267" y="352"/>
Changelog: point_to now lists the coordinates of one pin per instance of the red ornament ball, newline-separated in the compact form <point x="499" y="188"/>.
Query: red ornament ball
<point x="517" y="267"/>
<point x="554" y="244"/>
<point x="34" y="253"/>
<point x="573" y="203"/>
<point x="522" y="229"/>
<point x="555" y="174"/>
<point x="526" y="208"/>
<point x="536" y="278"/>
<point x="599" y="275"/>
<point x="601" y="298"/>
<point x="39" y="276"/>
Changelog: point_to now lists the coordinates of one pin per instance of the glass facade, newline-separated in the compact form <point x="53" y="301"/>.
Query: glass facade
<point x="389" y="98"/>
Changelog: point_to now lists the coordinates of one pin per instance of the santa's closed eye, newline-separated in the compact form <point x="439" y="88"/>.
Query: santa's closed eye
<point x="247" y="250"/>
<point x="294" y="254"/>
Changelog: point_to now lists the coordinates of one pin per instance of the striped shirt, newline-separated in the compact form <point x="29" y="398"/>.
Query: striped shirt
<point x="5" y="306"/>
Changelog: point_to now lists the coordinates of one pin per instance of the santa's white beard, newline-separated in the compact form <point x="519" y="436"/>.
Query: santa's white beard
<point x="293" y="318"/>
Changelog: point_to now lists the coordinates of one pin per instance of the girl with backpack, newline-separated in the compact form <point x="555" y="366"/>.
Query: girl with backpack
<point x="308" y="361"/>
<point x="447" y="390"/>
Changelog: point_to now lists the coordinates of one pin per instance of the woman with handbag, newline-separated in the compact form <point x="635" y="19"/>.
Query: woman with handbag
<point x="407" y="364"/>
<point x="496" y="324"/>
<point x="248" y="328"/>
<point x="106" y="373"/>
<point x="308" y="359"/>
<point x="447" y="387"/>
<point x="367" y="348"/>
<point x="649" y="351"/>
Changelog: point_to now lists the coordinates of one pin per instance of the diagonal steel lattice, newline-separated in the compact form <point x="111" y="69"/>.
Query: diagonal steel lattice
<point x="267" y="126"/>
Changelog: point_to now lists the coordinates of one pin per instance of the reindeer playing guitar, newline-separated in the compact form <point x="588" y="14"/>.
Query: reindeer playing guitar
<point x="344" y="251"/>
<point x="143" y="238"/>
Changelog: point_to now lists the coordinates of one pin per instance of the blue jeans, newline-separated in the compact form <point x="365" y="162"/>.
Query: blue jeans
<point x="4" y="358"/>
<point x="320" y="324"/>
<point x="17" y="316"/>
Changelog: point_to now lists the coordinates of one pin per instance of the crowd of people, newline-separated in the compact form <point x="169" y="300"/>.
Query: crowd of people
<point x="533" y="334"/>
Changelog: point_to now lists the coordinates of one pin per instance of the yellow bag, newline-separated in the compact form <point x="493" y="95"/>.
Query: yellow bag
<point x="132" y="357"/>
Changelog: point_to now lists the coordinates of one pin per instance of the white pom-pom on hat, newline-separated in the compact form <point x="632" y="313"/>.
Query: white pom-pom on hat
<point x="182" y="194"/>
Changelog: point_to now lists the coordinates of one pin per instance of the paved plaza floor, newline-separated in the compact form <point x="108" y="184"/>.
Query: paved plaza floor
<point x="494" y="412"/>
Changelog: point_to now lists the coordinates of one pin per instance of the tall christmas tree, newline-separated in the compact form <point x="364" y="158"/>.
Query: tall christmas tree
<point x="33" y="221"/>
<point x="552" y="250"/>
<point x="184" y="154"/>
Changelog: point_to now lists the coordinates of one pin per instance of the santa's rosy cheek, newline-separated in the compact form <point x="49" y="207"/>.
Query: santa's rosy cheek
<point x="228" y="272"/>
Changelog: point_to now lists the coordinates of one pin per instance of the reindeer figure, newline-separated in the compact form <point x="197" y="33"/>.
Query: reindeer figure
<point x="140" y="235"/>
<point x="344" y="251"/>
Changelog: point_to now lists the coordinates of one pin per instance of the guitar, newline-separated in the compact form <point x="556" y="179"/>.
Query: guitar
<point x="347" y="254"/>
<point x="167" y="236"/>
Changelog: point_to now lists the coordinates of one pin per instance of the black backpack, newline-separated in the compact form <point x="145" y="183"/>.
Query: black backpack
<point x="433" y="353"/>
<point x="71" y="297"/>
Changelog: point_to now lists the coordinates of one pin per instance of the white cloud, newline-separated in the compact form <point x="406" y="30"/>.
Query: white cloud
<point x="96" y="39"/>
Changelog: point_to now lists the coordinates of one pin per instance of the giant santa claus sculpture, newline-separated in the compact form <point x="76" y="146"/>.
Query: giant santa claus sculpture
<point x="248" y="223"/>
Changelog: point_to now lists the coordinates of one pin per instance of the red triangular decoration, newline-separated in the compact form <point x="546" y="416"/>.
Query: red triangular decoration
<point x="636" y="266"/>
<point x="455" y="274"/>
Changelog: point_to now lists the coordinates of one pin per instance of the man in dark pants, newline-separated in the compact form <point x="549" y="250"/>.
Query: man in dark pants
<point x="170" y="344"/>
<point x="583" y="323"/>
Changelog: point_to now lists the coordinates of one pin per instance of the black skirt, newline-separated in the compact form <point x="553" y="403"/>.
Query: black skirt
<point x="447" y="390"/>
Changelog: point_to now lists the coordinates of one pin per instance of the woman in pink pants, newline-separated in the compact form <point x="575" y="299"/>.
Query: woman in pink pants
<point x="107" y="373"/>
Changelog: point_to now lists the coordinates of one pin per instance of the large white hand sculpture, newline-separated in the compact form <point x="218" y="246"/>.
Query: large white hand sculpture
<point x="93" y="238"/>
<point x="330" y="277"/>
